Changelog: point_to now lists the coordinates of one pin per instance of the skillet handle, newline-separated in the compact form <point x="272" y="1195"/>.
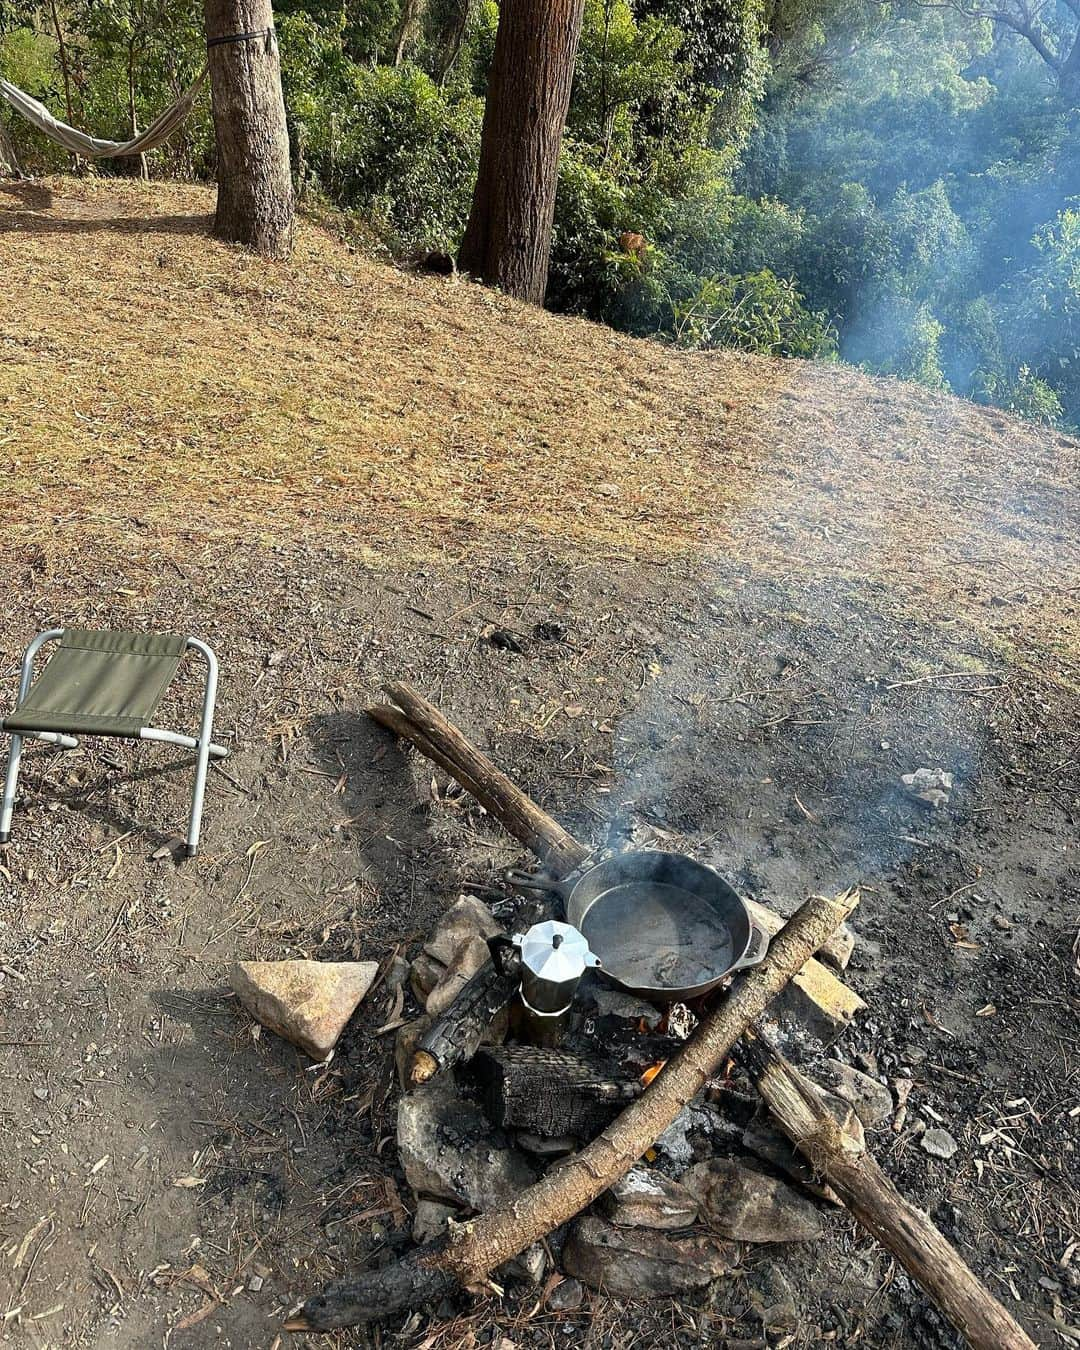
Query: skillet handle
<point x="533" y="881"/>
<point x="756" y="948"/>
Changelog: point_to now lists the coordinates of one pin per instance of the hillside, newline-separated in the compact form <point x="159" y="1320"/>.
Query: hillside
<point x="151" y="375"/>
<point x="746" y="597"/>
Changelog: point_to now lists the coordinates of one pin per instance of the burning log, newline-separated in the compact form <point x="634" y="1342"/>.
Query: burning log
<point x="548" y="1092"/>
<point x="477" y="1246"/>
<point x="841" y="1157"/>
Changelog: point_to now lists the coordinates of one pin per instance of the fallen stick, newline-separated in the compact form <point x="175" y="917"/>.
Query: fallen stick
<point x="443" y="743"/>
<point x="907" y="1232"/>
<point x="818" y="997"/>
<point x="476" y="1247"/>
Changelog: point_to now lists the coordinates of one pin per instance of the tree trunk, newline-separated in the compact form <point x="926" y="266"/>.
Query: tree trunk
<point x="255" y="196"/>
<point x="1069" y="74"/>
<point x="452" y="38"/>
<point x="65" y="70"/>
<point x="412" y="14"/>
<point x="9" y="165"/>
<point x="507" y="241"/>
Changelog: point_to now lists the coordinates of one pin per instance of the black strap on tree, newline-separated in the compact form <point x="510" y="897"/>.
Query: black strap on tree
<point x="240" y="37"/>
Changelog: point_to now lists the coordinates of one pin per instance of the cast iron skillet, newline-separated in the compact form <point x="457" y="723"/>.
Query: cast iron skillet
<point x="665" y="926"/>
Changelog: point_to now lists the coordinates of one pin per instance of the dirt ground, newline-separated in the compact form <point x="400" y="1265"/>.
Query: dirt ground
<point x="782" y="586"/>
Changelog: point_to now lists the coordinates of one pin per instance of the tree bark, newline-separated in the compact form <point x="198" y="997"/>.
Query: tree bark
<point x="255" y="195"/>
<point x="800" y="1109"/>
<point x="479" y="1245"/>
<point x="507" y="241"/>
<point x="9" y="164"/>
<point x="1069" y="74"/>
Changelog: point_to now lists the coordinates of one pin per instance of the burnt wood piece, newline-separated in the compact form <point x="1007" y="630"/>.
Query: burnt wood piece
<point x="455" y="1036"/>
<point x="842" y="1159"/>
<point x="548" y="1092"/>
<point x="477" y="1247"/>
<point x="443" y="743"/>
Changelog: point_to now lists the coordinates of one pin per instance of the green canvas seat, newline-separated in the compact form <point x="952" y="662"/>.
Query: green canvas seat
<point x="100" y="684"/>
<point x="106" y="684"/>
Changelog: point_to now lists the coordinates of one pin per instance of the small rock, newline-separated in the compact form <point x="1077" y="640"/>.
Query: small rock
<point x="464" y="964"/>
<point x="1001" y="922"/>
<point x="748" y="1206"/>
<point x="306" y="1002"/>
<point x="397" y="973"/>
<point x="430" y="1220"/>
<point x="931" y="786"/>
<point x="939" y="1143"/>
<point x="567" y="1296"/>
<point x="405" y="1046"/>
<point x="872" y="1100"/>
<point x="255" y="1283"/>
<point x="424" y="974"/>
<point x="644" y="1199"/>
<point x="42" y="1094"/>
<point x="614" y="1003"/>
<point x="466" y="918"/>
<point x="769" y="1143"/>
<point x="636" y="1263"/>
<point x="450" y="1151"/>
<point x="529" y="1265"/>
<point x="545" y="1146"/>
<point x="504" y="640"/>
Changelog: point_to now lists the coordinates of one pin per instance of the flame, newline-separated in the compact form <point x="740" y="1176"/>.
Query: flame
<point x="651" y="1072"/>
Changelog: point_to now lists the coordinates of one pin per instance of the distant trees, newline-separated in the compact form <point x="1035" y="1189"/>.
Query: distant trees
<point x="1052" y="30"/>
<point x="507" y="239"/>
<point x="255" y="195"/>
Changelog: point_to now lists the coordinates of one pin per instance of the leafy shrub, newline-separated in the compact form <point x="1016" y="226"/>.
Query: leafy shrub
<point x="758" y="312"/>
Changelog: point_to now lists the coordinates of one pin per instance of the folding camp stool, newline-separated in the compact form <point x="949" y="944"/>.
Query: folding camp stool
<point x="107" y="684"/>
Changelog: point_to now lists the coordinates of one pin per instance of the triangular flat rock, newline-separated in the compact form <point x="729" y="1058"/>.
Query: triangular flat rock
<point x="306" y="1002"/>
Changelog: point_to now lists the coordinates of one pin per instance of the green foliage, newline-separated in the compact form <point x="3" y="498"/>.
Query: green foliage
<point x="759" y="312"/>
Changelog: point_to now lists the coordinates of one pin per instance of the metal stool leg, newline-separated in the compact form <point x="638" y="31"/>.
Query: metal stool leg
<point x="26" y="675"/>
<point x="10" y="780"/>
<point x="205" y="731"/>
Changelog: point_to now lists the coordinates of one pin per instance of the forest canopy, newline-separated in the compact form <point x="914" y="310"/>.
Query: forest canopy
<point x="894" y="185"/>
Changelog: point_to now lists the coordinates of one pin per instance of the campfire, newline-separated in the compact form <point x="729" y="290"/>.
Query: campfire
<point x="596" y="1092"/>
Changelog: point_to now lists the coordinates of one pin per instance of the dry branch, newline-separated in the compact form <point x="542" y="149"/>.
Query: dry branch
<point x="443" y="743"/>
<point x="907" y="1232"/>
<point x="476" y="1247"/>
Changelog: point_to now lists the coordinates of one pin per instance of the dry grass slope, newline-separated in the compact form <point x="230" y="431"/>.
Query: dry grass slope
<point x="156" y="384"/>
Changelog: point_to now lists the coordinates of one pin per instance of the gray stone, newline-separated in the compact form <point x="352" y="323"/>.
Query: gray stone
<point x="464" y="964"/>
<point x="939" y="1144"/>
<point x="430" y="1220"/>
<point x="424" y="974"/>
<point x="466" y="918"/>
<point x="306" y="1002"/>
<point x="872" y="1100"/>
<point x="769" y="1143"/>
<point x="567" y="1296"/>
<point x="638" y="1263"/>
<point x="451" y="1152"/>
<point x="646" y="1199"/>
<point x="774" y="1301"/>
<point x="614" y="1003"/>
<point x="744" y="1204"/>
<point x="529" y="1265"/>
<point x="545" y="1146"/>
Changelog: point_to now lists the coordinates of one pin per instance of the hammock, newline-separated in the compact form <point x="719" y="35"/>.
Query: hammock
<point x="93" y="147"/>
